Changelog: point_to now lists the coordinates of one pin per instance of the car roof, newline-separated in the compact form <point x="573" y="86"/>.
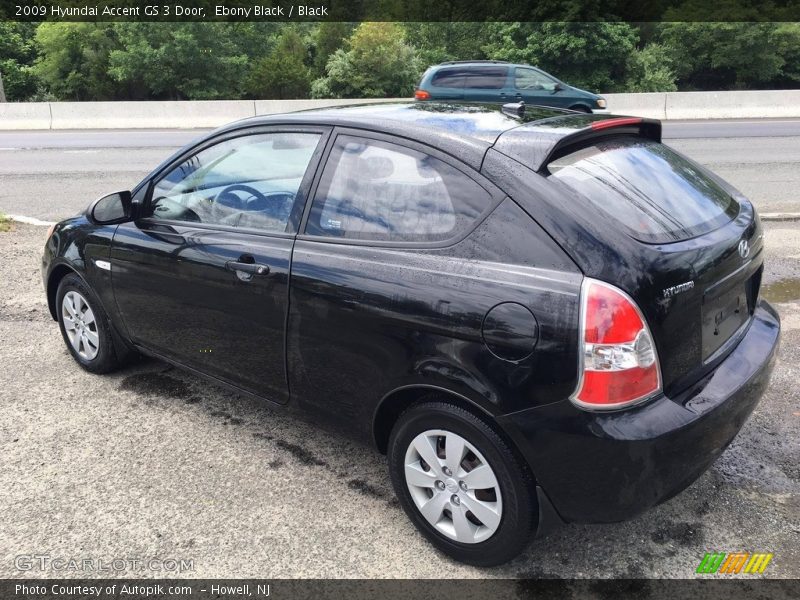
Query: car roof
<point x="465" y="130"/>
<point x="481" y="63"/>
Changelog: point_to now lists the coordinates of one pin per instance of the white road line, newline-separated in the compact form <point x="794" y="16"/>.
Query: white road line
<point x="30" y="220"/>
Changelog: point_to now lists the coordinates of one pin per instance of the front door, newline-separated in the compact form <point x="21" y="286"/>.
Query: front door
<point x="202" y="276"/>
<point x="537" y="88"/>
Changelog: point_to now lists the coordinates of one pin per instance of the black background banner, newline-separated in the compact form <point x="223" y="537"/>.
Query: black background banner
<point x="634" y="11"/>
<point x="752" y="588"/>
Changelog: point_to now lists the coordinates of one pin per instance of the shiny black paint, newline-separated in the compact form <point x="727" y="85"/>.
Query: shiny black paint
<point x="606" y="467"/>
<point x="355" y="331"/>
<point x="364" y="321"/>
<point x="176" y="297"/>
<point x="643" y="270"/>
<point x="534" y="143"/>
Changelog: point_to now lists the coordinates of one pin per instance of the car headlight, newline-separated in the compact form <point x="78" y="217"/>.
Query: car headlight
<point x="601" y="103"/>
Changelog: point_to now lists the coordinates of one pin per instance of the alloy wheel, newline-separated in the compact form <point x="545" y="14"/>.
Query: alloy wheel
<point x="80" y="325"/>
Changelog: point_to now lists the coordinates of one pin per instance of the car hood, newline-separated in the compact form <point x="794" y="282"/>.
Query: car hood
<point x="590" y="95"/>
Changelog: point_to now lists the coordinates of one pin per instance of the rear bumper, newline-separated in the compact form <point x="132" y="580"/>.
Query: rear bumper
<point x="607" y="467"/>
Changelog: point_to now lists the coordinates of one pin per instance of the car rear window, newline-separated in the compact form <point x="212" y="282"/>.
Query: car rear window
<point x="658" y="195"/>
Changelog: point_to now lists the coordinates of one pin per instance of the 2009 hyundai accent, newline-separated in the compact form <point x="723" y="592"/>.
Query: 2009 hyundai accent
<point x="540" y="316"/>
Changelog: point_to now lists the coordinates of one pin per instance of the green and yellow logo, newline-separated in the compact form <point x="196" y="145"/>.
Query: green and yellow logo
<point x="734" y="562"/>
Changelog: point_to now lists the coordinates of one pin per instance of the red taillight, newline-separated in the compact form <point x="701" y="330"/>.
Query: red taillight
<point x="606" y="123"/>
<point x="619" y="364"/>
<point x="422" y="95"/>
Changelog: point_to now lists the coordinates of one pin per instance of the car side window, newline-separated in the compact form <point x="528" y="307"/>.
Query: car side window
<point x="249" y="181"/>
<point x="531" y="79"/>
<point x="376" y="190"/>
<point x="486" y="78"/>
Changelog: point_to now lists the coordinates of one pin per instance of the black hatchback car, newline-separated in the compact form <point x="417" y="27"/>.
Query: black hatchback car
<point x="540" y="316"/>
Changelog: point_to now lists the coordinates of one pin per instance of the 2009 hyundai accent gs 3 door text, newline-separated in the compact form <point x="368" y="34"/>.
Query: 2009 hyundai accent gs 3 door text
<point x="540" y="316"/>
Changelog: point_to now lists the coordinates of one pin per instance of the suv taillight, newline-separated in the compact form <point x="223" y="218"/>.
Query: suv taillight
<point x="422" y="95"/>
<point x="619" y="364"/>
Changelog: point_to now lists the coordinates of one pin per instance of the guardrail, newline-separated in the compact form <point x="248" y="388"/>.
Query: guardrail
<point x="204" y="114"/>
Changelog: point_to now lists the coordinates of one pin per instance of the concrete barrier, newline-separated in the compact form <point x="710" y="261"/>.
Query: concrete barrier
<point x="196" y="114"/>
<point x="24" y="115"/>
<point x="271" y="107"/>
<point x="733" y="105"/>
<point x="650" y="105"/>
<point x="155" y="115"/>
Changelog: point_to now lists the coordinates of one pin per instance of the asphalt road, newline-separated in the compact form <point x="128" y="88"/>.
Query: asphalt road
<point x="50" y="175"/>
<point x="152" y="462"/>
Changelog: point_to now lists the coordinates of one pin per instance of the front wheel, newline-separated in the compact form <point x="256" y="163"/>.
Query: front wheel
<point x="461" y="484"/>
<point x="85" y="326"/>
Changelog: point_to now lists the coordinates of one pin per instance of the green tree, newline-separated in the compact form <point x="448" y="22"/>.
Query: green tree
<point x="17" y="53"/>
<point x="650" y="70"/>
<point x="378" y="63"/>
<point x="787" y="40"/>
<point x="437" y="42"/>
<point x="589" y="55"/>
<point x="195" y="61"/>
<point x="719" y="56"/>
<point x="282" y="74"/>
<point x="73" y="60"/>
<point x="327" y="39"/>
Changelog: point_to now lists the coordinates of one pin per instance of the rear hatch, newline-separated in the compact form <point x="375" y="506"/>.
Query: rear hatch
<point x="684" y="244"/>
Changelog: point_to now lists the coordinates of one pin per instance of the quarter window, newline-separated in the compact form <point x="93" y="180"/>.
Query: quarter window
<point x="374" y="190"/>
<point x="249" y="181"/>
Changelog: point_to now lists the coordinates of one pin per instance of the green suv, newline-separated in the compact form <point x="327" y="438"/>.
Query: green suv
<point x="498" y="81"/>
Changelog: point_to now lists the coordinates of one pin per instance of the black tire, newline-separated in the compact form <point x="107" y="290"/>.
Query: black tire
<point x="519" y="506"/>
<point x="108" y="357"/>
<point x="581" y="108"/>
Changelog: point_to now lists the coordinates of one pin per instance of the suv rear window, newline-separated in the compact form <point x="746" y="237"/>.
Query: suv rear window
<point x="448" y="78"/>
<point x="656" y="194"/>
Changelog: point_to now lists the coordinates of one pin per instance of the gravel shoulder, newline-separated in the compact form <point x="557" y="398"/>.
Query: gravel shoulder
<point x="152" y="462"/>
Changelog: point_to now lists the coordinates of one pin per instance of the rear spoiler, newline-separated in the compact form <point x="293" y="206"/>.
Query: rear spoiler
<point x="537" y="143"/>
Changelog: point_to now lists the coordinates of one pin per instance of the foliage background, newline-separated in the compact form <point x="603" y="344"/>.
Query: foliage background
<point x="202" y="61"/>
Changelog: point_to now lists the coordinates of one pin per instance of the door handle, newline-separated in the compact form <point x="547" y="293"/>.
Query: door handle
<point x="246" y="270"/>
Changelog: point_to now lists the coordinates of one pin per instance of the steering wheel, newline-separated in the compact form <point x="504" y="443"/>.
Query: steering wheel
<point x="225" y="196"/>
<point x="166" y="208"/>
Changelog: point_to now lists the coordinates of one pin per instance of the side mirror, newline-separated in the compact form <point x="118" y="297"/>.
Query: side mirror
<point x="558" y="87"/>
<point x="111" y="209"/>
